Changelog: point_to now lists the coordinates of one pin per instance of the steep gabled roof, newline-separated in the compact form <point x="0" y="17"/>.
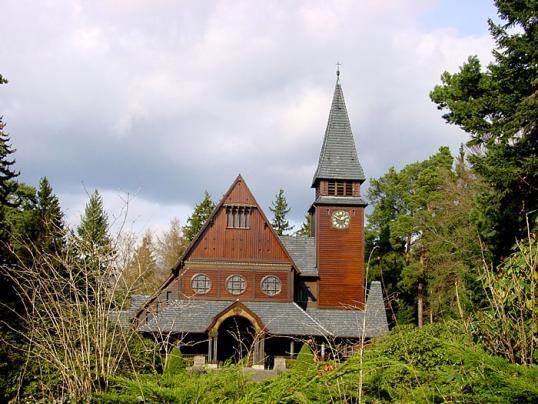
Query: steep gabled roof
<point x="338" y="158"/>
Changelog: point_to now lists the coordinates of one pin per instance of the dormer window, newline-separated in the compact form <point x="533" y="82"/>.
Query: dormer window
<point x="238" y="217"/>
<point x="340" y="188"/>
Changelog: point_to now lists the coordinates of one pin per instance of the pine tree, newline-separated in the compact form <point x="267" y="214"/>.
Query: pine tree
<point x="7" y="174"/>
<point x="93" y="228"/>
<point x="201" y="213"/>
<point x="280" y="210"/>
<point x="95" y="243"/>
<point x="498" y="107"/>
<point x="50" y="220"/>
<point x="306" y="227"/>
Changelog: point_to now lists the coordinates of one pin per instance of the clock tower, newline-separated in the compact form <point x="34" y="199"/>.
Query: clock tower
<point x="338" y="213"/>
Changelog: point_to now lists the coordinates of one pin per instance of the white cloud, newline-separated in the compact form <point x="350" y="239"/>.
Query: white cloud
<point x="165" y="99"/>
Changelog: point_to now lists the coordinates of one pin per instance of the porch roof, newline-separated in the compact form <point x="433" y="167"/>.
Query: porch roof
<point x="194" y="316"/>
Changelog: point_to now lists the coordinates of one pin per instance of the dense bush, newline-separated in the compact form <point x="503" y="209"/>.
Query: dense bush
<point x="227" y="384"/>
<point x="174" y="363"/>
<point x="433" y="364"/>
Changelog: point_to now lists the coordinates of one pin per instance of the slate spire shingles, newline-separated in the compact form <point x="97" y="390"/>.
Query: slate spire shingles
<point x="338" y="158"/>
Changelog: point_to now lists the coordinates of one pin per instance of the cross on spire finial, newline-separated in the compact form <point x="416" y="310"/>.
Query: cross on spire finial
<point x="338" y="64"/>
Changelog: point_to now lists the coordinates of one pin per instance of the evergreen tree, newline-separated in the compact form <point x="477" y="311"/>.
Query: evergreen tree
<point x="280" y="210"/>
<point x="94" y="242"/>
<point x="93" y="227"/>
<point x="51" y="229"/>
<point x="498" y="107"/>
<point x="7" y="174"/>
<point x="402" y="202"/>
<point x="306" y="227"/>
<point x="201" y="213"/>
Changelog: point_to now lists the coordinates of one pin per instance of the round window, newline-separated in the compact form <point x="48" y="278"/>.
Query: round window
<point x="271" y="285"/>
<point x="236" y="284"/>
<point x="200" y="284"/>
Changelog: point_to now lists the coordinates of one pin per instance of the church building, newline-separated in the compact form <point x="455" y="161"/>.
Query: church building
<point x="241" y="291"/>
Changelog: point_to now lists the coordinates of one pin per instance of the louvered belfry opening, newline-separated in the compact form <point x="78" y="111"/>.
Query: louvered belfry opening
<point x="340" y="188"/>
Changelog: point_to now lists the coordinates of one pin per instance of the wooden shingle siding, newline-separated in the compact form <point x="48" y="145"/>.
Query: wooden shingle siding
<point x="222" y="251"/>
<point x="340" y="259"/>
<point x="257" y="243"/>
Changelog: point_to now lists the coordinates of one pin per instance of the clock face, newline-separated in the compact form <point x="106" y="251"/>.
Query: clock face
<point x="340" y="219"/>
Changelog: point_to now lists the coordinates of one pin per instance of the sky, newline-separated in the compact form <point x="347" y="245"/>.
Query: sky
<point x="153" y="102"/>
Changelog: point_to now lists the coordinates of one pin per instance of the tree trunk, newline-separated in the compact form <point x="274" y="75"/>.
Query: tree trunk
<point x="420" y="303"/>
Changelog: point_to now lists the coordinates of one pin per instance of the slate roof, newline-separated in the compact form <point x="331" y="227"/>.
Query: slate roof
<point x="194" y="316"/>
<point x="338" y="158"/>
<point x="303" y="252"/>
<point x="123" y="317"/>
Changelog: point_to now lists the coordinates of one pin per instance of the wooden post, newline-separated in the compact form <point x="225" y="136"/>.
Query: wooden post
<point x="215" y="342"/>
<point x="292" y="348"/>
<point x="210" y="350"/>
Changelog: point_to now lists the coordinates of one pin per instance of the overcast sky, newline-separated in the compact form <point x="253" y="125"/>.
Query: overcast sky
<point x="164" y="99"/>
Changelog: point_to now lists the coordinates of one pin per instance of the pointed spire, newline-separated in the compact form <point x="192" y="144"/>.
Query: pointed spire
<point x="338" y="158"/>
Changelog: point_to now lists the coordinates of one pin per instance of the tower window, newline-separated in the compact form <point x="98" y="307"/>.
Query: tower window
<point x="238" y="217"/>
<point x="340" y="188"/>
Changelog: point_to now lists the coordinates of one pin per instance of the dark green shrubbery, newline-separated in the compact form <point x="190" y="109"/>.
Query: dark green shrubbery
<point x="227" y="384"/>
<point x="433" y="364"/>
<point x="174" y="363"/>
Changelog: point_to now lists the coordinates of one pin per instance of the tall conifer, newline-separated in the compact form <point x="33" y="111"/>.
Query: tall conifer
<point x="201" y="213"/>
<point x="51" y="229"/>
<point x="280" y="209"/>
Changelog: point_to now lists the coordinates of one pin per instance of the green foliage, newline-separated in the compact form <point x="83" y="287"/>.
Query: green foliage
<point x="201" y="213"/>
<point x="498" y="107"/>
<point x="50" y="220"/>
<point x="143" y="357"/>
<point x="174" y="362"/>
<point x="280" y="210"/>
<point x="228" y="384"/>
<point x="94" y="242"/>
<point x="93" y="228"/>
<point x="7" y="174"/>
<point x="436" y="363"/>
<point x="440" y="363"/>
<point x="509" y="325"/>
<point x="305" y="358"/>
<point x="404" y="204"/>
<point x="306" y="227"/>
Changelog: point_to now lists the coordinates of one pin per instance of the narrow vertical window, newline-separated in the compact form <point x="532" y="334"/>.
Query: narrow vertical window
<point x="238" y="217"/>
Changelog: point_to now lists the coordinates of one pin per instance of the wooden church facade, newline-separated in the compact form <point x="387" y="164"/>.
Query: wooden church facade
<point x="241" y="289"/>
